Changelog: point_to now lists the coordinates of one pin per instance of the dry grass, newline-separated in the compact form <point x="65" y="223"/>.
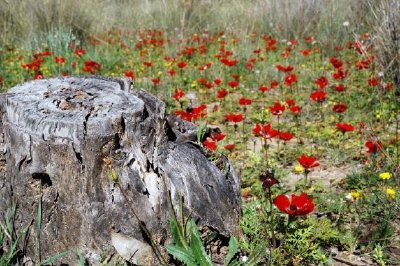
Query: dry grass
<point x="22" y="20"/>
<point x="386" y="31"/>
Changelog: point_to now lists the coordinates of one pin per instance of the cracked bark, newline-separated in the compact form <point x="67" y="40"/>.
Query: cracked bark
<point x="68" y="133"/>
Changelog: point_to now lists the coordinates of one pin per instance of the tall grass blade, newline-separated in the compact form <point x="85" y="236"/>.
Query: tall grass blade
<point x="38" y="226"/>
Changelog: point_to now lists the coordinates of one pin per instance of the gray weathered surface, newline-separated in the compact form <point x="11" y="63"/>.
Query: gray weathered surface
<point x="68" y="133"/>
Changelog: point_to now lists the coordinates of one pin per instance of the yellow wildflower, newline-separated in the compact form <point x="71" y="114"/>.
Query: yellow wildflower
<point x="355" y="194"/>
<point x="385" y="176"/>
<point x="391" y="193"/>
<point x="299" y="169"/>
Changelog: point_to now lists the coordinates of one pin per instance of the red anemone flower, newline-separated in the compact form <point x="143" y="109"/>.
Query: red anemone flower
<point x="322" y="82"/>
<point x="339" y="87"/>
<point x="290" y="102"/>
<point x="229" y="62"/>
<point x="202" y="80"/>
<point x="182" y="64"/>
<point x="277" y="109"/>
<point x="340" y="74"/>
<point x="218" y="136"/>
<point x="307" y="161"/>
<point x="344" y="127"/>
<point x="244" y="101"/>
<point x="290" y="79"/>
<point x="171" y="72"/>
<point x="318" y="96"/>
<point x="265" y="131"/>
<point x="233" y="83"/>
<point x="274" y="84"/>
<point x="373" y="82"/>
<point x="156" y="81"/>
<point x="309" y="39"/>
<point x="178" y="94"/>
<point x="234" y="118"/>
<point x="339" y="108"/>
<point x="147" y="64"/>
<point x="210" y="144"/>
<point x="230" y="147"/>
<point x="80" y="52"/>
<point x="285" y="136"/>
<point x="34" y="65"/>
<point x="59" y="60"/>
<point x="284" y="69"/>
<point x="129" y="74"/>
<point x="192" y="113"/>
<point x="268" y="179"/>
<point x="270" y="133"/>
<point x="91" y="67"/>
<point x="295" y="109"/>
<point x="249" y="66"/>
<point x="217" y="81"/>
<point x="305" y="52"/>
<point x="222" y="93"/>
<point x="40" y="55"/>
<point x="373" y="146"/>
<point x="295" y="205"/>
<point x="336" y="63"/>
<point x="263" y="88"/>
<point x="257" y="129"/>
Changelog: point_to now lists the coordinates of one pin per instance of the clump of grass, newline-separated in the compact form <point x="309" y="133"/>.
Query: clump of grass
<point x="10" y="238"/>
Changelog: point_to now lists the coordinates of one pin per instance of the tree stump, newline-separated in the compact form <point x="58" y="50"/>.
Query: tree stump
<point x="64" y="140"/>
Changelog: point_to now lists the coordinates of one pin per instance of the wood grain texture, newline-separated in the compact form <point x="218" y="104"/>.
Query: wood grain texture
<point x="68" y="134"/>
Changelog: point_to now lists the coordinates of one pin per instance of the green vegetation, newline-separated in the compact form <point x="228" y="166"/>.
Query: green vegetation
<point x="305" y="94"/>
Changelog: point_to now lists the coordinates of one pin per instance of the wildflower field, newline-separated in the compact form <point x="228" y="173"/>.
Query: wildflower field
<point x="310" y="124"/>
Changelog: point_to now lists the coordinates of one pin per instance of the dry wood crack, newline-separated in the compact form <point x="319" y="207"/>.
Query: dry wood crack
<point x="71" y="132"/>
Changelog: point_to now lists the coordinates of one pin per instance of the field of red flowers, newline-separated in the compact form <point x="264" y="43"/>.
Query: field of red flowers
<point x="310" y="126"/>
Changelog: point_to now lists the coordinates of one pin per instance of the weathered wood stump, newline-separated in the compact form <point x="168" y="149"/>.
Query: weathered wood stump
<point x="63" y="137"/>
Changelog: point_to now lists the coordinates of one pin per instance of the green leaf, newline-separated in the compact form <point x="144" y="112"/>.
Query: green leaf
<point x="233" y="249"/>
<point x="197" y="246"/>
<point x="177" y="234"/>
<point x="201" y="131"/>
<point x="52" y="259"/>
<point x="182" y="254"/>
<point x="1" y="237"/>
